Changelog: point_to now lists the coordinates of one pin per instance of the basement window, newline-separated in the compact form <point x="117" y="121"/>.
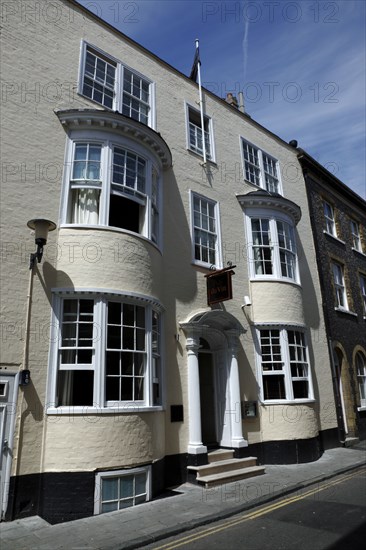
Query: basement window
<point x="121" y="489"/>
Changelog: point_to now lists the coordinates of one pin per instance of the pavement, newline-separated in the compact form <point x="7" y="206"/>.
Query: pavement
<point x="187" y="506"/>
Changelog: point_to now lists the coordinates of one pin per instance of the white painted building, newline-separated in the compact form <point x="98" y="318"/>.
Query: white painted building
<point x="133" y="375"/>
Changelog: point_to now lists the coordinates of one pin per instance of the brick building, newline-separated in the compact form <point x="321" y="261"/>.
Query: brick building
<point x="134" y="378"/>
<point x="338" y="217"/>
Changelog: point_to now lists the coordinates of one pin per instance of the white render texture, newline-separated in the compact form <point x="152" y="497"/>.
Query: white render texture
<point x="40" y="70"/>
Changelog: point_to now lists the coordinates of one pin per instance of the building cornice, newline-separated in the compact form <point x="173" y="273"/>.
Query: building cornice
<point x="264" y="199"/>
<point x="108" y="121"/>
<point x="325" y="178"/>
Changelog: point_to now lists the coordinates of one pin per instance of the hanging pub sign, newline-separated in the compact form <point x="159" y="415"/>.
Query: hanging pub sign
<point x="219" y="288"/>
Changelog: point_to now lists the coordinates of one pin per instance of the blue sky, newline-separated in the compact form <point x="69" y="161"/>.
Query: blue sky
<point x="300" y="64"/>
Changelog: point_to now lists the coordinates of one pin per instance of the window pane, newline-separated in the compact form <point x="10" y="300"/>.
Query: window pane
<point x="140" y="484"/>
<point x="113" y="388"/>
<point x="113" y="363"/>
<point x="114" y="313"/>
<point x="114" y="337"/>
<point x="274" y="387"/>
<point x="75" y="388"/>
<point x="127" y="364"/>
<point x="129" y="315"/>
<point x="109" y="507"/>
<point x="126" y="486"/>
<point x="109" y="489"/>
<point x="300" y="388"/>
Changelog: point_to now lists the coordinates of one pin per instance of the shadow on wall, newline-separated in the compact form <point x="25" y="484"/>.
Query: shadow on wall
<point x="312" y="314"/>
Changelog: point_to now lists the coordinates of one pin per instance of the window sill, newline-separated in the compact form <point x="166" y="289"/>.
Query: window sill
<point x="258" y="187"/>
<point x="274" y="280"/>
<point x="199" y="156"/>
<point x="110" y="228"/>
<point x="358" y="251"/>
<point x="347" y="311"/>
<point x="287" y="402"/>
<point x="333" y="237"/>
<point x="128" y="408"/>
<point x="207" y="267"/>
<point x="362" y="409"/>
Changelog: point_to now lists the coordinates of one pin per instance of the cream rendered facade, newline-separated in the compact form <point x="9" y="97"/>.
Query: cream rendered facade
<point x="58" y="448"/>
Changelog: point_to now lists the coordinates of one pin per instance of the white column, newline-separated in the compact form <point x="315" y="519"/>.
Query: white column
<point x="237" y="439"/>
<point x="195" y="445"/>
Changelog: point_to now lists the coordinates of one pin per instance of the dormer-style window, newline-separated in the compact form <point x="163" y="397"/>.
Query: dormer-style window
<point x="112" y="84"/>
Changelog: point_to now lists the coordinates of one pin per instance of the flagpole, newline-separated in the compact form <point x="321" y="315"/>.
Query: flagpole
<point x="201" y="104"/>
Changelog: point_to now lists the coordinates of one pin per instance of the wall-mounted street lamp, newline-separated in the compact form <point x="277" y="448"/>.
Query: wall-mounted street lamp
<point x="41" y="228"/>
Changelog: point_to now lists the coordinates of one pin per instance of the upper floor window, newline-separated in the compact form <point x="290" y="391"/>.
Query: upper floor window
<point x="110" y="183"/>
<point x="284" y="365"/>
<point x="260" y="169"/>
<point x="355" y="233"/>
<point x="272" y="246"/>
<point x="363" y="291"/>
<point x="361" y="376"/>
<point x="108" y="353"/>
<point x="205" y="231"/>
<point x="115" y="86"/>
<point x="330" y="226"/>
<point x="194" y="132"/>
<point x="339" y="286"/>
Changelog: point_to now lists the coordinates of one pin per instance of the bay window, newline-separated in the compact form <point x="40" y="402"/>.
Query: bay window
<point x="283" y="364"/>
<point x="272" y="246"/>
<point x="107" y="353"/>
<point x="113" y="183"/>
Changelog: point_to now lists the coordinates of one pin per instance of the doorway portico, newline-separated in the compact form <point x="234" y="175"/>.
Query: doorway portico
<point x="214" y="398"/>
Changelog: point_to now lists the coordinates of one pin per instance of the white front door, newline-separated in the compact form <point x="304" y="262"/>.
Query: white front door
<point x="8" y="402"/>
<point x="223" y="399"/>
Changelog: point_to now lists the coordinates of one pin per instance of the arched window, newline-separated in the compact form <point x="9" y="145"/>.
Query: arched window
<point x="360" y="361"/>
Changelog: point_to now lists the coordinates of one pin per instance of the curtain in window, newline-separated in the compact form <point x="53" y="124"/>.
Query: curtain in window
<point x="66" y="384"/>
<point x="85" y="206"/>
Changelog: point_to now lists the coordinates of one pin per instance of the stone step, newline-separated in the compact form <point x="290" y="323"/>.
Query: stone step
<point x="220" y="454"/>
<point x="350" y="441"/>
<point x="223" y="466"/>
<point x="229" y="477"/>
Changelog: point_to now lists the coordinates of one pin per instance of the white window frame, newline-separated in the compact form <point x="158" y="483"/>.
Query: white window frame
<point x="150" y="201"/>
<point x="273" y="217"/>
<point x="360" y="362"/>
<point x="355" y="234"/>
<point x="98" y="364"/>
<point x="209" y="133"/>
<point x="120" y="474"/>
<point x="330" y="225"/>
<point x="257" y="170"/>
<point x="218" y="247"/>
<point x="118" y="90"/>
<point x="363" y="292"/>
<point x="285" y="361"/>
<point x="339" y="286"/>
